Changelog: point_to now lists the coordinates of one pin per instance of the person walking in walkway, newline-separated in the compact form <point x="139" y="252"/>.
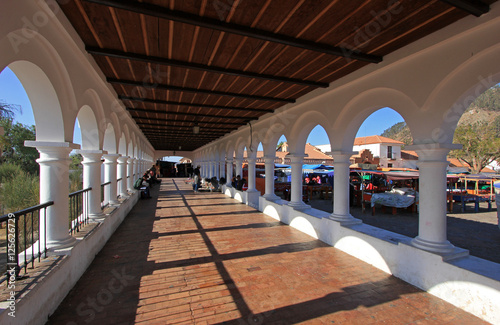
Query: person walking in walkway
<point x="196" y="179"/>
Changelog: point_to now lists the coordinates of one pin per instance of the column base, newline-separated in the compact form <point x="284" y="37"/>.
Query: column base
<point x="56" y="245"/>
<point x="300" y="206"/>
<point x="114" y="202"/>
<point x="97" y="216"/>
<point x="435" y="247"/>
<point x="345" y="220"/>
<point x="271" y="197"/>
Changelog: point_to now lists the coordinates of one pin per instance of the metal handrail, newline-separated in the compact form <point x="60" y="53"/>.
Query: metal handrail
<point x="78" y="209"/>
<point x="102" y="194"/>
<point x="14" y="243"/>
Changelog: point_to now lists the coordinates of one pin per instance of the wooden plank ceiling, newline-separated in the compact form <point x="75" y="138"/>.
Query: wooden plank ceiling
<point x="221" y="64"/>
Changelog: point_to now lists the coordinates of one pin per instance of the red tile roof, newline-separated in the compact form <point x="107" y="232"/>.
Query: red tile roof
<point x="372" y="139"/>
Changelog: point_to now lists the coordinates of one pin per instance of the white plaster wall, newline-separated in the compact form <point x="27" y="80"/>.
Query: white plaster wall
<point x="374" y="148"/>
<point x="470" y="283"/>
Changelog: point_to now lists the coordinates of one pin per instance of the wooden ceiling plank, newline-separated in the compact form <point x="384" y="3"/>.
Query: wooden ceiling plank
<point x="191" y="123"/>
<point x="164" y="13"/>
<point x="190" y="65"/>
<point x="203" y="91"/>
<point x="165" y="102"/>
<point x="131" y="109"/>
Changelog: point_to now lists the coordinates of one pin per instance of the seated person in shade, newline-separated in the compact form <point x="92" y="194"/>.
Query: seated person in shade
<point x="235" y="181"/>
<point x="214" y="184"/>
<point x="144" y="188"/>
<point x="241" y="182"/>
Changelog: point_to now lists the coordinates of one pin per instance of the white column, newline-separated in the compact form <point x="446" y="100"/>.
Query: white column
<point x="251" y="174"/>
<point x="122" y="173"/>
<point x="432" y="165"/>
<point x="217" y="169"/>
<point x="130" y="175"/>
<point x="211" y="166"/>
<point x="239" y="166"/>
<point x="229" y="163"/>
<point x="110" y="194"/>
<point x="269" y="163"/>
<point x="296" y="188"/>
<point x="92" y="178"/>
<point x="54" y="179"/>
<point x="341" y="188"/>
<point x="222" y="169"/>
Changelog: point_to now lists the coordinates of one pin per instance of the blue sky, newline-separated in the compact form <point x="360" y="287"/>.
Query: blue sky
<point x="12" y="92"/>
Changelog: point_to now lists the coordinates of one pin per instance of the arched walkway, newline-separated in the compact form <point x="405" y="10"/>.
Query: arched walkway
<point x="211" y="259"/>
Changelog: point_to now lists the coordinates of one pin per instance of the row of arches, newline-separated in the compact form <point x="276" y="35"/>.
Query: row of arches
<point x="431" y="99"/>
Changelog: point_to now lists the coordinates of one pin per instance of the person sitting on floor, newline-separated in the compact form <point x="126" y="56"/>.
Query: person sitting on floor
<point x="144" y="188"/>
<point x="214" y="184"/>
<point x="241" y="182"/>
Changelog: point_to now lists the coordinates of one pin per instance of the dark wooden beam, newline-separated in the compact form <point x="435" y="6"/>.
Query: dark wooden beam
<point x="197" y="91"/>
<point x="202" y="67"/>
<point x="184" y="127"/>
<point x="132" y="109"/>
<point x="474" y="7"/>
<point x="182" y="135"/>
<point x="206" y="22"/>
<point x="168" y="102"/>
<point x="216" y="125"/>
<point x="147" y="130"/>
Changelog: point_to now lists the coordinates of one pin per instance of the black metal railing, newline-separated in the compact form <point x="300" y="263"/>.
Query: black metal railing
<point x="78" y="210"/>
<point x="119" y="188"/>
<point x="103" y="188"/>
<point x="23" y="240"/>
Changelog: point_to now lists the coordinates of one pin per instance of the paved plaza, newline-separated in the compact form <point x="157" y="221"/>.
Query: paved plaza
<point x="186" y="258"/>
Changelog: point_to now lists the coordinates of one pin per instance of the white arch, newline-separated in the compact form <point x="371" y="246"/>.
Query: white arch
<point x="109" y="143"/>
<point x="303" y="127"/>
<point x="46" y="80"/>
<point x="89" y="129"/>
<point x="460" y="88"/>
<point x="360" y="107"/>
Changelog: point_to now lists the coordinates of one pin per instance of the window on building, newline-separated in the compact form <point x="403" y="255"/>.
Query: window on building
<point x="389" y="152"/>
<point x="389" y="165"/>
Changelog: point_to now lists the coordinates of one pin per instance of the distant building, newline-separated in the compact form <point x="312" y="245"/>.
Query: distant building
<point x="385" y="151"/>
<point x="314" y="155"/>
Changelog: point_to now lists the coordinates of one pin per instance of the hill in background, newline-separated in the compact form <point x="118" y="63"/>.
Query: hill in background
<point x="486" y="108"/>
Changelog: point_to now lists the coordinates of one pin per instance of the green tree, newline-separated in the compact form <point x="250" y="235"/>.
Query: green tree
<point x="75" y="172"/>
<point x="76" y="161"/>
<point x="7" y="110"/>
<point x="481" y="145"/>
<point x="14" y="150"/>
<point x="19" y="189"/>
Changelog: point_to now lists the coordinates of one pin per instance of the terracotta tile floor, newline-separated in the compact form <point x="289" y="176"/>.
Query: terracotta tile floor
<point x="185" y="258"/>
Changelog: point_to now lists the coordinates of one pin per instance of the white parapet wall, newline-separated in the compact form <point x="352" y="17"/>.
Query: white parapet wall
<point x="44" y="298"/>
<point x="468" y="282"/>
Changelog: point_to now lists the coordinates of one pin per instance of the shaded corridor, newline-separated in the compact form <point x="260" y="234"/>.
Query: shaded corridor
<point x="185" y="258"/>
